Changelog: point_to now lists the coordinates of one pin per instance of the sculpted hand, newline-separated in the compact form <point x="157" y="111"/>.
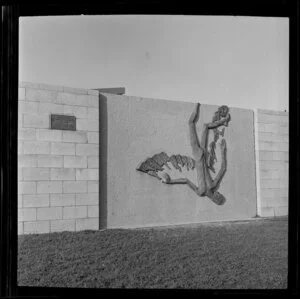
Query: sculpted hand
<point x="227" y="119"/>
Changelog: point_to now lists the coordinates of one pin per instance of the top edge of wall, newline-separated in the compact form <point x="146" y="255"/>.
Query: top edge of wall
<point x="141" y="98"/>
<point x="273" y="112"/>
<point x="119" y="92"/>
<point x="112" y="90"/>
<point x="67" y="89"/>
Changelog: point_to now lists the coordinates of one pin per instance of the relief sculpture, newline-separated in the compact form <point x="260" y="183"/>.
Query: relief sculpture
<point x="203" y="158"/>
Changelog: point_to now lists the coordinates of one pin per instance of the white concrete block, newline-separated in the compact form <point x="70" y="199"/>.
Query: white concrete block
<point x="48" y="135"/>
<point x="21" y="94"/>
<point x="49" y="161"/>
<point x="26" y="214"/>
<point x="49" y="187"/>
<point x="20" y="228"/>
<point x="274" y="174"/>
<point x="37" y="227"/>
<point x="20" y="121"/>
<point x="93" y="137"/>
<point x="27" y="161"/>
<point x="73" y="99"/>
<point x="266" y="136"/>
<point x="74" y="187"/>
<point x="41" y="121"/>
<point x="273" y="112"/>
<point x="39" y="95"/>
<point x="62" y="200"/>
<point x="274" y="128"/>
<point x="50" y="108"/>
<point x="36" y="201"/>
<point x="36" y="174"/>
<point x="93" y="211"/>
<point x="272" y="119"/>
<point x="62" y="174"/>
<point x="27" y="107"/>
<point x="50" y="87"/>
<point x="59" y="148"/>
<point x="75" y="161"/>
<point x="74" y="212"/>
<point x="273" y="193"/>
<point x="87" y="199"/>
<point x="36" y="147"/>
<point x="274" y="165"/>
<point x="274" y="201"/>
<point x="87" y="125"/>
<point x="93" y="101"/>
<point x="273" y="146"/>
<point x="66" y="98"/>
<point x="76" y="136"/>
<point x="267" y="212"/>
<point x="281" y="211"/>
<point x="26" y="187"/>
<point x="25" y="84"/>
<point x="93" y="162"/>
<point x="87" y="174"/>
<point x="77" y="111"/>
<point x="93" y="186"/>
<point x="50" y="213"/>
<point x="20" y="147"/>
<point x="83" y="100"/>
<point x="62" y="225"/>
<point x="75" y="90"/>
<point x="93" y="113"/>
<point x="272" y="183"/>
<point x="20" y="174"/>
<point x="87" y="149"/>
<point x="93" y="92"/>
<point x="270" y="156"/>
<point x="27" y="134"/>
<point x="20" y="201"/>
<point x="87" y="224"/>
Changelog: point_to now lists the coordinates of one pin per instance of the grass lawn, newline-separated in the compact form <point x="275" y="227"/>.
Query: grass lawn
<point x="218" y="255"/>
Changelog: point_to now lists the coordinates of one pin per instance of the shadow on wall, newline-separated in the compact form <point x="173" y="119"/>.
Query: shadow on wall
<point x="102" y="161"/>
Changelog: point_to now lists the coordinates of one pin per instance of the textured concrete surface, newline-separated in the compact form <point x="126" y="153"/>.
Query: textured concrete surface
<point x="57" y="168"/>
<point x="272" y="161"/>
<point x="137" y="128"/>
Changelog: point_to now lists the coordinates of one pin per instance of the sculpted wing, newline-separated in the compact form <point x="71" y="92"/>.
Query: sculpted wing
<point x="156" y="163"/>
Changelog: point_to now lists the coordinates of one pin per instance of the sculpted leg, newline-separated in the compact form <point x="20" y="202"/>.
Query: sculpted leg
<point x="220" y="175"/>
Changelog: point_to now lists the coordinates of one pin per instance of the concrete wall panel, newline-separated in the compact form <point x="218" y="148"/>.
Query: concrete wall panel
<point x="138" y="128"/>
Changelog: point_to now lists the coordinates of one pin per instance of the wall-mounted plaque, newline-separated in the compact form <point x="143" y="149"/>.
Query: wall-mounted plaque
<point x="63" y="122"/>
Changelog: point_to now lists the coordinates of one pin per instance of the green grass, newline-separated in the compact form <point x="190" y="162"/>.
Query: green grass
<point x="244" y="255"/>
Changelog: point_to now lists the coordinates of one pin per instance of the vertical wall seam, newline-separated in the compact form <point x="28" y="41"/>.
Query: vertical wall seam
<point x="257" y="164"/>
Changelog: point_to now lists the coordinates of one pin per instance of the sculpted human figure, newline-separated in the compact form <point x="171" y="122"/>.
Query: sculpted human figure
<point x="206" y="185"/>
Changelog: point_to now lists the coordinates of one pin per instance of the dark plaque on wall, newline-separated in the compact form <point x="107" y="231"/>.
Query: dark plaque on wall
<point x="63" y="122"/>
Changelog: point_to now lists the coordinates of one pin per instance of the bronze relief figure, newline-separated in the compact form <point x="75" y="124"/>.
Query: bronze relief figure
<point x="203" y="159"/>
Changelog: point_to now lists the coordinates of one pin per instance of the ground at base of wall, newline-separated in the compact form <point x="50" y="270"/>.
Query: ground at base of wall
<point x="216" y="223"/>
<point x="240" y="255"/>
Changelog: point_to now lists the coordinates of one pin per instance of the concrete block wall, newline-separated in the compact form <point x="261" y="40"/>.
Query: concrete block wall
<point x="138" y="128"/>
<point x="57" y="170"/>
<point x="272" y="158"/>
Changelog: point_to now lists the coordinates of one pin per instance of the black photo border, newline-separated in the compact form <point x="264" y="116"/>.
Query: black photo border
<point x="9" y="125"/>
